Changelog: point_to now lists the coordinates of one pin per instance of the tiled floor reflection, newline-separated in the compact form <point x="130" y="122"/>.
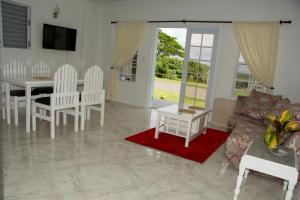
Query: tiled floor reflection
<point x="98" y="164"/>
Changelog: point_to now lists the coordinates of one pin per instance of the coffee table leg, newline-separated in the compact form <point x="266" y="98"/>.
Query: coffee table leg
<point x="289" y="192"/>
<point x="238" y="183"/>
<point x="157" y="126"/>
<point x="188" y="133"/>
<point x="246" y="173"/>
<point x="285" y="185"/>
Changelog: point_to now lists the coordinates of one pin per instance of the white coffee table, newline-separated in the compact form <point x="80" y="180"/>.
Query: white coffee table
<point x="170" y="120"/>
<point x="257" y="158"/>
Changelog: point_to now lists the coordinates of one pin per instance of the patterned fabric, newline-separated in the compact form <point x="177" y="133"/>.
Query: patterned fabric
<point x="279" y="107"/>
<point x="264" y="99"/>
<point x="238" y="118"/>
<point x="257" y="105"/>
<point x="294" y="109"/>
<point x="240" y="104"/>
<point x="243" y="129"/>
<point x="238" y="141"/>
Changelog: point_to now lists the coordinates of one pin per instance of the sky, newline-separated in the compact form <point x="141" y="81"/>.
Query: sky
<point x="179" y="33"/>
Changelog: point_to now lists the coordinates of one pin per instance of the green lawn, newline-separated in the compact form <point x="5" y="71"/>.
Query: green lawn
<point x="167" y="95"/>
<point x="174" y="97"/>
<point x="178" y="82"/>
<point x="241" y="92"/>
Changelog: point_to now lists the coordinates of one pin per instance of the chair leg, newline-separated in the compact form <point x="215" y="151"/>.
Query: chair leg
<point x="3" y="101"/>
<point x="88" y="113"/>
<point x="41" y="111"/>
<point x="76" y="118"/>
<point x="64" y="118"/>
<point x="16" y="111"/>
<point x="3" y="112"/>
<point x="3" y="107"/>
<point x="52" y="123"/>
<point x="57" y="118"/>
<point x="102" y="114"/>
<point x="82" y="117"/>
<point x="33" y="117"/>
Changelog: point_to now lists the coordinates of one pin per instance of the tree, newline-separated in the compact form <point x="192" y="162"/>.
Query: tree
<point x="168" y="67"/>
<point x="168" y="46"/>
<point x="169" y="61"/>
<point x="197" y="72"/>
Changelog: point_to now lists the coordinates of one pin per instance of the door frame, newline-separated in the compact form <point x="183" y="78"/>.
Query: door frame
<point x="157" y="26"/>
<point x="212" y="70"/>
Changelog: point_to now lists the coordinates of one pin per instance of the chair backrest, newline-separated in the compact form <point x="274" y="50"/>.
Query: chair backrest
<point x="93" y="84"/>
<point x="14" y="70"/>
<point x="93" y="79"/>
<point x="65" y="85"/>
<point x="41" y="69"/>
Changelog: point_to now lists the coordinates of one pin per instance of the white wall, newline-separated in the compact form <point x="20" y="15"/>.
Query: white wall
<point x="288" y="68"/>
<point x="83" y="15"/>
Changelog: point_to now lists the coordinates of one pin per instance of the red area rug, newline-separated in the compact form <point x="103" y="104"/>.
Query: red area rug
<point x="199" y="149"/>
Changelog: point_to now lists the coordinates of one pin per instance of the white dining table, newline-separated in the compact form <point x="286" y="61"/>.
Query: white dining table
<point x="28" y="85"/>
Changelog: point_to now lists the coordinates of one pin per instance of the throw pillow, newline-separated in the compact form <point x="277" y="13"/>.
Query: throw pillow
<point x="294" y="109"/>
<point x="257" y="105"/>
<point x="264" y="99"/>
<point x="240" y="104"/>
<point x="261" y="103"/>
<point x="280" y="106"/>
<point x="247" y="107"/>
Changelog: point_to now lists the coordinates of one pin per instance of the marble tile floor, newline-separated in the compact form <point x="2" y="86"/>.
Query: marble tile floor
<point x="98" y="164"/>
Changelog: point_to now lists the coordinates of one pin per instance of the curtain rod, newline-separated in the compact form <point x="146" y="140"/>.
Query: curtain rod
<point x="195" y="21"/>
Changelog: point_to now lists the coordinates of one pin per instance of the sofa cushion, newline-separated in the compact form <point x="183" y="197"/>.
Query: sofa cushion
<point x="240" y="104"/>
<point x="264" y="99"/>
<point x="284" y="104"/>
<point x="294" y="109"/>
<point x="257" y="105"/>
<point x="239" y="139"/>
<point x="248" y="107"/>
<point x="236" y="119"/>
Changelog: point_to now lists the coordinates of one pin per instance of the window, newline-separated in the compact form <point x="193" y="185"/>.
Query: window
<point x="15" y="25"/>
<point x="244" y="81"/>
<point x="128" y="73"/>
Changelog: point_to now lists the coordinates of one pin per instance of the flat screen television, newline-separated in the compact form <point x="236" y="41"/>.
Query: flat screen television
<point x="60" y="38"/>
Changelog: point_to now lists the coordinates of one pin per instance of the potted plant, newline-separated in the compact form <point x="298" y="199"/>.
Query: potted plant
<point x="278" y="130"/>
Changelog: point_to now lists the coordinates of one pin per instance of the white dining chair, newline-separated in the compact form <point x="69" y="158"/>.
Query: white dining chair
<point x="41" y="69"/>
<point x="2" y="95"/>
<point x="92" y="97"/>
<point x="14" y="70"/>
<point x="93" y="94"/>
<point x="64" y="96"/>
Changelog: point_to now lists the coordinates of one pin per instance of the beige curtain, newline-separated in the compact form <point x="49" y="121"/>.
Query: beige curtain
<point x="129" y="36"/>
<point x="258" y="43"/>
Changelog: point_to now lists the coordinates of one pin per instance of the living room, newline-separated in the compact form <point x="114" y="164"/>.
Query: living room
<point x="98" y="163"/>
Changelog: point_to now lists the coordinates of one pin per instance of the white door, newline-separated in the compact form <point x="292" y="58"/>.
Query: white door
<point x="199" y="65"/>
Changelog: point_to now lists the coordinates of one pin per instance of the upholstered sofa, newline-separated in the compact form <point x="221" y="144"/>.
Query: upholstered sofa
<point x="248" y="122"/>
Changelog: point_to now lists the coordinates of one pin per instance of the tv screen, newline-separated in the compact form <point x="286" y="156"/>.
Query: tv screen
<point x="60" y="38"/>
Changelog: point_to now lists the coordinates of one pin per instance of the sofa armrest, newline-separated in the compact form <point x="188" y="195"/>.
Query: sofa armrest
<point x="222" y="110"/>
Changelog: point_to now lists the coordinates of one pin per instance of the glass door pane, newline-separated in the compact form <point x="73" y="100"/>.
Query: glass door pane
<point x="198" y="62"/>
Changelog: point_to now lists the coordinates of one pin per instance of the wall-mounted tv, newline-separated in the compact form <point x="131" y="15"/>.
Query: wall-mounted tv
<point x="60" y="38"/>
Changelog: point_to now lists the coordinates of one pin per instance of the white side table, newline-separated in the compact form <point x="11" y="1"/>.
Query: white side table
<point x="188" y="126"/>
<point x="258" y="158"/>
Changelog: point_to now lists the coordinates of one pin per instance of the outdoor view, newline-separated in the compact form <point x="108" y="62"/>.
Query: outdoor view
<point x="169" y="65"/>
<point x="245" y="82"/>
